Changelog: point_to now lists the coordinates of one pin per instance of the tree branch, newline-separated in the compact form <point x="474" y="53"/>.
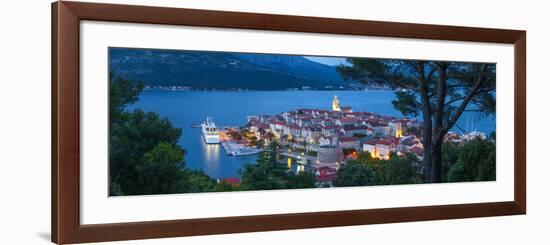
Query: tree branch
<point x="465" y="102"/>
<point x="441" y="93"/>
<point x="454" y="100"/>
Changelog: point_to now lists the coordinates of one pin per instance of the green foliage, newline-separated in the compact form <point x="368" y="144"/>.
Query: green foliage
<point x="476" y="162"/>
<point x="362" y="70"/>
<point x="366" y="170"/>
<point x="114" y="188"/>
<point x="301" y="180"/>
<point x="409" y="77"/>
<point x="268" y="174"/>
<point x="159" y="171"/>
<point x="197" y="181"/>
<point x="144" y="157"/>
<point x="258" y="177"/>
<point x="121" y="93"/>
<point x="354" y="174"/>
<point x="449" y="156"/>
<point x="398" y="170"/>
<point x="221" y="187"/>
<point x="406" y="102"/>
<point x="130" y="137"/>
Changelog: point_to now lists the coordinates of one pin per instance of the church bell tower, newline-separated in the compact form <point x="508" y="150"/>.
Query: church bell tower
<point x="335" y="104"/>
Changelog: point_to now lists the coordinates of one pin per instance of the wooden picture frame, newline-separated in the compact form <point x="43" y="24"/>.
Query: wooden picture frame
<point x="65" y="169"/>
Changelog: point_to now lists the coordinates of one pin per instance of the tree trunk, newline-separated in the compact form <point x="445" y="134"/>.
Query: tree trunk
<point x="438" y="123"/>
<point x="427" y="117"/>
<point x="427" y="142"/>
<point x="427" y="137"/>
<point x="436" y="162"/>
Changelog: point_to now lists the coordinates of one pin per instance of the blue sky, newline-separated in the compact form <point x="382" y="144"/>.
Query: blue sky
<point x="331" y="61"/>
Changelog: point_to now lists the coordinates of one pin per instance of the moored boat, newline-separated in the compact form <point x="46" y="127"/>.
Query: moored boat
<point x="210" y="132"/>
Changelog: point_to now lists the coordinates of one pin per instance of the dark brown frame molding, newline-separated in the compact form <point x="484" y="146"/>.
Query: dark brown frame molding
<point x="65" y="171"/>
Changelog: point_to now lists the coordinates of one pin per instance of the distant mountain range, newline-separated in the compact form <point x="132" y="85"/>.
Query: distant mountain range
<point x="222" y="70"/>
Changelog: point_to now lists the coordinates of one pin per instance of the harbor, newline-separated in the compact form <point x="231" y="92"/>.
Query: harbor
<point x="299" y="123"/>
<point x="215" y="161"/>
<point x="233" y="147"/>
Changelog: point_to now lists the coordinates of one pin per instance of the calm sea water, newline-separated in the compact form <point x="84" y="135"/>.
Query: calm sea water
<point x="185" y="108"/>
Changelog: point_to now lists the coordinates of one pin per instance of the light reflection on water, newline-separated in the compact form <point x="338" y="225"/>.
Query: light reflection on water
<point x="212" y="156"/>
<point x="185" y="108"/>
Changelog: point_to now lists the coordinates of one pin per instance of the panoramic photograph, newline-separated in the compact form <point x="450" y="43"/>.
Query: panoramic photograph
<point x="183" y="121"/>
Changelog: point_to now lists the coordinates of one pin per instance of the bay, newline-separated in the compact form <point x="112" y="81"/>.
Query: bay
<point x="185" y="108"/>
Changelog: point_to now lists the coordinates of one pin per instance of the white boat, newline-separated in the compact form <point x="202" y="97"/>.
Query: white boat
<point x="210" y="133"/>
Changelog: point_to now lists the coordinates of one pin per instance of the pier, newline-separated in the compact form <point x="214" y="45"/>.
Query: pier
<point x="236" y="149"/>
<point x="228" y="149"/>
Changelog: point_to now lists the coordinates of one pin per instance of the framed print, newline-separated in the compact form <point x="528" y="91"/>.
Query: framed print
<point x="175" y="122"/>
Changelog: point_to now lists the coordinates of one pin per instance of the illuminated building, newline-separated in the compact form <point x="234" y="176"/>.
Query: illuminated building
<point x="398" y="130"/>
<point x="335" y="104"/>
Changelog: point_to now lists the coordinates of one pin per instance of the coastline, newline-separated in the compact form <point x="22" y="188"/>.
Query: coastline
<point x="185" y="108"/>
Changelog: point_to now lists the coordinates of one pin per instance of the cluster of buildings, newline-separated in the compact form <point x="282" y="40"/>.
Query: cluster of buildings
<point x="314" y="130"/>
<point x="329" y="133"/>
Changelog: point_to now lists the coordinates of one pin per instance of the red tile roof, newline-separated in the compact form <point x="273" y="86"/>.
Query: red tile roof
<point x="387" y="141"/>
<point x="348" y="120"/>
<point x="417" y="150"/>
<point x="377" y="123"/>
<point x="278" y="123"/>
<point x="356" y="128"/>
<point x="329" y="127"/>
<point x="231" y="181"/>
